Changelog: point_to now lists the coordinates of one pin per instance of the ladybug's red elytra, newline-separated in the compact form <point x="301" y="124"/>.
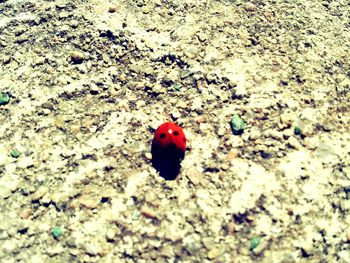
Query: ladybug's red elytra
<point x="168" y="149"/>
<point x="169" y="134"/>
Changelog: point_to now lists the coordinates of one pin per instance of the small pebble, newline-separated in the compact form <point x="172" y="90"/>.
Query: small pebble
<point x="294" y="143"/>
<point x="112" y="9"/>
<point x="194" y="176"/>
<point x="175" y="114"/>
<point x="287" y="119"/>
<point x="56" y="232"/>
<point x="25" y="213"/>
<point x="77" y="57"/>
<point x="231" y="228"/>
<point x="225" y="166"/>
<point x="4" y="98"/>
<point x="213" y="253"/>
<point x="39" y="193"/>
<point x="182" y="104"/>
<point x="254" y="242"/>
<point x="232" y="154"/>
<point x="250" y="7"/>
<point x="15" y="153"/>
<point x="110" y="235"/>
<point x="90" y="202"/>
<point x="167" y="251"/>
<point x="237" y="125"/>
<point x="297" y="130"/>
<point x="149" y="213"/>
<point x="148" y="155"/>
<point x="208" y="242"/>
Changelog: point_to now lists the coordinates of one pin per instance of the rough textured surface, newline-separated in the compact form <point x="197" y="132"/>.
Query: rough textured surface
<point x="89" y="81"/>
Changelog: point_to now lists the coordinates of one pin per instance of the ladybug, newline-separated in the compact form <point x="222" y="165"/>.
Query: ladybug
<point x="168" y="149"/>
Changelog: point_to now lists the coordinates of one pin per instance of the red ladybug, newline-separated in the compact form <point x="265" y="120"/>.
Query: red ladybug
<point x="168" y="149"/>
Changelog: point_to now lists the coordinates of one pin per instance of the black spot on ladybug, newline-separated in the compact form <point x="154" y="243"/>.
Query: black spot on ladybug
<point x="162" y="135"/>
<point x="176" y="133"/>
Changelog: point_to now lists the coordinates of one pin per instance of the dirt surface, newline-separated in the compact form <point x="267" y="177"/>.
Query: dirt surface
<point x="90" y="81"/>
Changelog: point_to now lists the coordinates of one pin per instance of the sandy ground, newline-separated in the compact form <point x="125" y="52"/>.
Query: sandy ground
<point x="89" y="82"/>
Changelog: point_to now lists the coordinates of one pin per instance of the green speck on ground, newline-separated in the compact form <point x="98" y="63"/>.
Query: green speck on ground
<point x="297" y="130"/>
<point x="237" y="125"/>
<point x="4" y="98"/>
<point x="177" y="87"/>
<point x="56" y="231"/>
<point x="254" y="242"/>
<point x="15" y="153"/>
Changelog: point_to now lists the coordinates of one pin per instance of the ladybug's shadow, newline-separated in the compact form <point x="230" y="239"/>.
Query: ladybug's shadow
<point x="167" y="170"/>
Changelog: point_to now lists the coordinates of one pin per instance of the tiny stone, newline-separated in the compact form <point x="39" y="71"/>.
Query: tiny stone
<point x="146" y="9"/>
<point x="232" y="154"/>
<point x="15" y="153"/>
<point x="294" y="143"/>
<point x="149" y="213"/>
<point x="182" y="104"/>
<point x="39" y="193"/>
<point x="6" y="60"/>
<point x="25" y="213"/>
<point x="112" y="9"/>
<point x="221" y="132"/>
<point x="194" y="176"/>
<point x="77" y="57"/>
<point x="308" y="248"/>
<point x="90" y="202"/>
<point x="157" y="89"/>
<point x="56" y="231"/>
<point x="213" y="253"/>
<point x="231" y="228"/>
<point x="148" y="155"/>
<point x="94" y="90"/>
<point x="4" y="98"/>
<point x="124" y="105"/>
<point x="225" y="166"/>
<point x="297" y="130"/>
<point x="274" y="134"/>
<point x="167" y="251"/>
<point x="255" y="242"/>
<point x="287" y="119"/>
<point x="237" y="125"/>
<point x="110" y="235"/>
<point x="287" y="133"/>
<point x="208" y="242"/>
<point x="175" y="115"/>
<point x="200" y="119"/>
<point x="46" y="199"/>
<point x="250" y="7"/>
